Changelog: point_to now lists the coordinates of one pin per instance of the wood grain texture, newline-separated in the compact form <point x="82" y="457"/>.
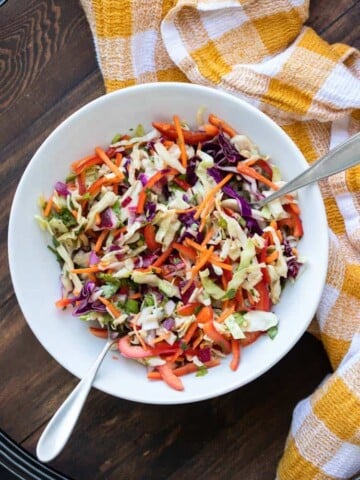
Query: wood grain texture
<point x="48" y="70"/>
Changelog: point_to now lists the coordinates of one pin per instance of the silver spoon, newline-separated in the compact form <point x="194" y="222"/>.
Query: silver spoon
<point x="58" y="430"/>
<point x="342" y="157"/>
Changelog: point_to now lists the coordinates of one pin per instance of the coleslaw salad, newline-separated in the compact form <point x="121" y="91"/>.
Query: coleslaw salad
<point x="157" y="239"/>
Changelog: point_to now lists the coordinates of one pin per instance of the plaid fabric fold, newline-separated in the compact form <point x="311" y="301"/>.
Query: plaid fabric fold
<point x="260" y="50"/>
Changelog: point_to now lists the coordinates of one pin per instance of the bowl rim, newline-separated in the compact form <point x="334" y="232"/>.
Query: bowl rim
<point x="240" y="103"/>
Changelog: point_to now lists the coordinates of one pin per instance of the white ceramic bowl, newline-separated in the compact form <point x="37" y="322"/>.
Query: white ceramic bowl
<point x="35" y="273"/>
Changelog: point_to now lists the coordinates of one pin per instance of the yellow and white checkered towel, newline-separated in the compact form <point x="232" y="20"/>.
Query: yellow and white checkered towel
<point x="260" y="51"/>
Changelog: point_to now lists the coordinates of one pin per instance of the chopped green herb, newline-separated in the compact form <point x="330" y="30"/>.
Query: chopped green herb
<point x="149" y="301"/>
<point x="272" y="332"/>
<point x="230" y="294"/>
<point x="131" y="306"/>
<point x="116" y="138"/>
<point x="184" y="346"/>
<point x="201" y="371"/>
<point x="109" y="289"/>
<point x="222" y="223"/>
<point x="55" y="252"/>
<point x="139" y="131"/>
<point x="70" y="178"/>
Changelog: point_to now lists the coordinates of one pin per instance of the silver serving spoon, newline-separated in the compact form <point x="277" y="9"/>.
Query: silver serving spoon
<point x="342" y="157"/>
<point x="58" y="430"/>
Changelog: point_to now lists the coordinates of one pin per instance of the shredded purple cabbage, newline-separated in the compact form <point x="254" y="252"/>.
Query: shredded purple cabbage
<point x="150" y="211"/>
<point x="245" y="208"/>
<point x="93" y="259"/>
<point x="188" y="219"/>
<point x="168" y="323"/>
<point x="185" y="297"/>
<point x="62" y="189"/>
<point x="292" y="263"/>
<point x="143" y="179"/>
<point x="85" y="304"/>
<point x="126" y="202"/>
<point x="204" y="355"/>
<point x="190" y="175"/>
<point x="108" y="218"/>
<point x="222" y="150"/>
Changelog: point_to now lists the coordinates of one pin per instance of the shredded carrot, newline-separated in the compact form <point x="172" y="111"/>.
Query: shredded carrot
<point x="218" y="122"/>
<point x="190" y="332"/>
<point x="279" y="234"/>
<point x="224" y="266"/>
<point x="161" y="338"/>
<point x="101" y="154"/>
<point x="79" y="163"/>
<point x="191" y="367"/>
<point x="154" y="375"/>
<point x="197" y="340"/>
<point x="185" y="210"/>
<point x="110" y="307"/>
<point x="176" y="355"/>
<point x="74" y="213"/>
<point x="203" y="259"/>
<point x="181" y="142"/>
<point x="150" y="269"/>
<point x="207" y="237"/>
<point x="295" y="208"/>
<point x="235" y="347"/>
<point x="251" y="172"/>
<point x="213" y="259"/>
<point x="138" y="336"/>
<point x="210" y="129"/>
<point x="141" y="203"/>
<point x="168" y="143"/>
<point x="92" y="269"/>
<point x="95" y="187"/>
<point x="118" y="231"/>
<point x="63" y="302"/>
<point x="272" y="257"/>
<point x="92" y="277"/>
<point x="249" y="162"/>
<point x="97" y="218"/>
<point x="48" y="207"/>
<point x="273" y="224"/>
<point x="118" y="159"/>
<point x="225" y="314"/>
<point x="210" y="194"/>
<point x="163" y="257"/>
<point x="186" y="251"/>
<point x="100" y="240"/>
<point x="224" y="282"/>
<point x="134" y="296"/>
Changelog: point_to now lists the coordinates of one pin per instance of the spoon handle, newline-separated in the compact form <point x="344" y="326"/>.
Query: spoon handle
<point x="344" y="156"/>
<point x="60" y="427"/>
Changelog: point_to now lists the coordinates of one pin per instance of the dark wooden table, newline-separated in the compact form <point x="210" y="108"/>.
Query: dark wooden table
<point x="47" y="70"/>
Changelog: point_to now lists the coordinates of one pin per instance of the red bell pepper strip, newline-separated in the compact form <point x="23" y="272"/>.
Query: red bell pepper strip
<point x="170" y="378"/>
<point x="235" y="346"/>
<point x="251" y="337"/>
<point x="188" y="309"/>
<point x="184" y="185"/>
<point x="293" y="222"/>
<point x="265" y="167"/>
<point x="99" y="332"/>
<point x="190" y="138"/>
<point x="206" y="314"/>
<point x="264" y="302"/>
<point x="130" y="351"/>
<point x="149" y="236"/>
<point x="216" y="337"/>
